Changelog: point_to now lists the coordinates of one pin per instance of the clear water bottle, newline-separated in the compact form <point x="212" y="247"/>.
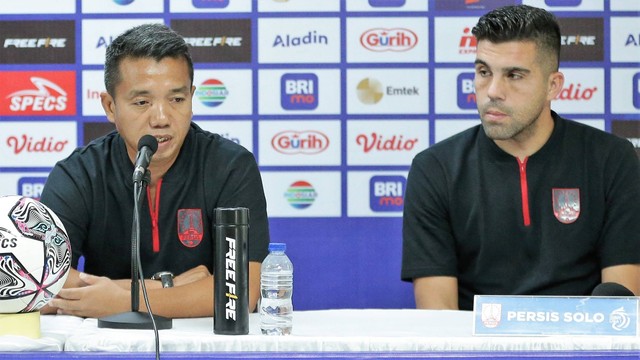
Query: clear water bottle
<point x="276" y="289"/>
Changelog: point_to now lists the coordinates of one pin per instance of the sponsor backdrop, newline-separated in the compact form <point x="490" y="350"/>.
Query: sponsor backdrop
<point x="333" y="97"/>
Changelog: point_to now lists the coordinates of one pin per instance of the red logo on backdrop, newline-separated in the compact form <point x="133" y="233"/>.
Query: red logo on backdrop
<point x="190" y="227"/>
<point x="29" y="144"/>
<point x="378" y="142"/>
<point x="566" y="205"/>
<point x="29" y="93"/>
<point x="576" y="92"/>
<point x="397" y="39"/>
<point x="292" y="142"/>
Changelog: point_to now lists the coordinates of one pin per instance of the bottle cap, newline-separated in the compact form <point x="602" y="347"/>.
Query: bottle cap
<point x="281" y="247"/>
<point x="231" y="216"/>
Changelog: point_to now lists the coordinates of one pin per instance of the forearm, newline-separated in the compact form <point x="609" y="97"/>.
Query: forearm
<point x="195" y="299"/>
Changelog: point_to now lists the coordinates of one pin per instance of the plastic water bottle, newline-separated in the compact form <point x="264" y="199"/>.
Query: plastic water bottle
<point x="276" y="289"/>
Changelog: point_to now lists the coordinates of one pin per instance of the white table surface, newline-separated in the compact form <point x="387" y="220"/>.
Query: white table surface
<point x="364" y="330"/>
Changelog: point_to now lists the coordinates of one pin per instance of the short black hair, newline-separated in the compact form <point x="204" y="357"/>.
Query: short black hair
<point x="521" y="23"/>
<point x="156" y="41"/>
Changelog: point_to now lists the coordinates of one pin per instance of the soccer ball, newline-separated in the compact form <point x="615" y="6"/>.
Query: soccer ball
<point x="35" y="254"/>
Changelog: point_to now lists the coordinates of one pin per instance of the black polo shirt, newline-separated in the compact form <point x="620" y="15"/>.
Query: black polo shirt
<point x="543" y="226"/>
<point x="92" y="193"/>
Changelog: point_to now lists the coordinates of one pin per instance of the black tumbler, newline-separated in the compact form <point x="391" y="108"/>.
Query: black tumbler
<point x="231" y="271"/>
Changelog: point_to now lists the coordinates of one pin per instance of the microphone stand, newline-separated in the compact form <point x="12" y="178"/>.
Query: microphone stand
<point x="134" y="319"/>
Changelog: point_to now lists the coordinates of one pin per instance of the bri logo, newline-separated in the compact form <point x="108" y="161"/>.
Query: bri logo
<point x="211" y="3"/>
<point x="636" y="90"/>
<point x="563" y="2"/>
<point x="386" y="193"/>
<point x="387" y="3"/>
<point x="31" y="186"/>
<point x="299" y="91"/>
<point x="300" y="142"/>
<point x="466" y="91"/>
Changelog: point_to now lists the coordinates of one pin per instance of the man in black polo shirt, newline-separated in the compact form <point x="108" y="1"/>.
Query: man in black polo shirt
<point x="149" y="82"/>
<point x="527" y="203"/>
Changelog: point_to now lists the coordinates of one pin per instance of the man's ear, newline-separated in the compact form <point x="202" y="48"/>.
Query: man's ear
<point x="109" y="106"/>
<point x="556" y="83"/>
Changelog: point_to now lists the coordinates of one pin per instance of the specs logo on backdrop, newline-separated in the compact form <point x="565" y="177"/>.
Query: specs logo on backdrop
<point x="217" y="4"/>
<point x="575" y="92"/>
<point x="299" y="91"/>
<point x="300" y="195"/>
<point x="216" y="41"/>
<point x="31" y="186"/>
<point x="397" y="39"/>
<point x="370" y="91"/>
<point x="307" y="142"/>
<point x="563" y="2"/>
<point x="468" y="42"/>
<point x="636" y="90"/>
<point x="387" y="3"/>
<point x="379" y="142"/>
<point x="386" y="193"/>
<point x="38" y="93"/>
<point x="212" y="93"/>
<point x="123" y="2"/>
<point x="37" y="42"/>
<point x="310" y="38"/>
<point x="466" y="91"/>
<point x="581" y="39"/>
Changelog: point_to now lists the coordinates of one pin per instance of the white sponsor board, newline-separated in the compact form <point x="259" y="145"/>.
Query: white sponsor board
<point x="286" y="191"/>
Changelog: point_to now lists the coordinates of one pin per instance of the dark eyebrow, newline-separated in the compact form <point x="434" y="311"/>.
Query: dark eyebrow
<point x="180" y="90"/>
<point x="506" y="70"/>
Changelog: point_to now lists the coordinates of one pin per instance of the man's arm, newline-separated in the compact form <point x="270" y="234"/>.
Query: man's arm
<point x="626" y="275"/>
<point x="103" y="297"/>
<point x="436" y="292"/>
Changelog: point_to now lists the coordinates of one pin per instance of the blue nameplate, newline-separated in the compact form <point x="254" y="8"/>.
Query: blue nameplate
<point x="555" y="315"/>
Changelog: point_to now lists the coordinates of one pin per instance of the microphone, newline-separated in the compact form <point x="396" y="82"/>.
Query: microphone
<point x="147" y="146"/>
<point x="611" y="289"/>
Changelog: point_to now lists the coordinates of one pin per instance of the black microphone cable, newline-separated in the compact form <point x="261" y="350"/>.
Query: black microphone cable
<point x="137" y="192"/>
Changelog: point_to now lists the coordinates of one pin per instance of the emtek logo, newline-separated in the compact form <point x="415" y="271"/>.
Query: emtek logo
<point x="31" y="186"/>
<point x="466" y="91"/>
<point x="636" y="90"/>
<point x="386" y="193"/>
<point x="211" y="3"/>
<point x="299" y="91"/>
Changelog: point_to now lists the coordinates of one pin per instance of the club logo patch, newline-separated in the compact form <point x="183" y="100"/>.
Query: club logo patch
<point x="491" y="315"/>
<point x="190" y="227"/>
<point x="566" y="205"/>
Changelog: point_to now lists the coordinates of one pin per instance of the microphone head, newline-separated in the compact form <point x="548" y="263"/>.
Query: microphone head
<point x="148" y="141"/>
<point x="611" y="289"/>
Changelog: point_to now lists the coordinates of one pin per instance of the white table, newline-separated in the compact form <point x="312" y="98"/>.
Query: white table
<point x="368" y="330"/>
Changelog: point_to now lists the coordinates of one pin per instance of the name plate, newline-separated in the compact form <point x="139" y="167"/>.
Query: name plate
<point x="555" y="315"/>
